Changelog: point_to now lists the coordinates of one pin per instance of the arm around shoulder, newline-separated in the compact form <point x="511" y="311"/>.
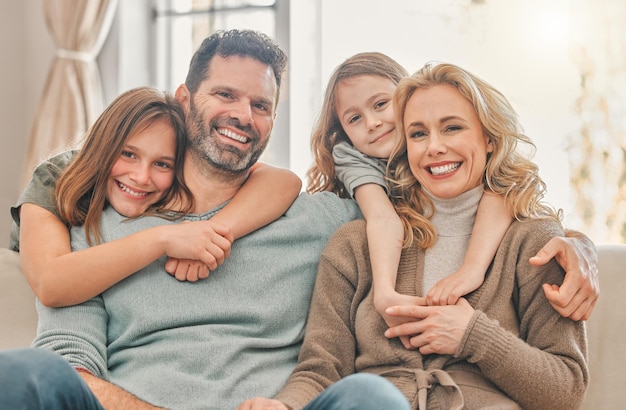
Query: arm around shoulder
<point x="576" y="253"/>
<point x="265" y="196"/>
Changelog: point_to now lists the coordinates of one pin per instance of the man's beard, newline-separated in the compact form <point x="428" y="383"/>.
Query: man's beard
<point x="204" y="143"/>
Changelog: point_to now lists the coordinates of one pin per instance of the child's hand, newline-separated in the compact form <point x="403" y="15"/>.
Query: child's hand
<point x="195" y="248"/>
<point x="382" y="301"/>
<point x="449" y="289"/>
<point x="202" y="241"/>
<point x="186" y="270"/>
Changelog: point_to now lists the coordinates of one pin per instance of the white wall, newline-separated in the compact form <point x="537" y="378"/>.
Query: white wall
<point x="26" y="51"/>
<point x="520" y="47"/>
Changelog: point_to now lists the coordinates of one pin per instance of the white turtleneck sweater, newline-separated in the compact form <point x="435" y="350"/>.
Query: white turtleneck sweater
<point x="454" y="220"/>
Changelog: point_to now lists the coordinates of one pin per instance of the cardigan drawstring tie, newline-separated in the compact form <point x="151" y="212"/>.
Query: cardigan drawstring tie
<point x="426" y="379"/>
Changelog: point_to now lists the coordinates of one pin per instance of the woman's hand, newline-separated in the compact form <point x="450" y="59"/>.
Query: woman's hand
<point x="432" y="329"/>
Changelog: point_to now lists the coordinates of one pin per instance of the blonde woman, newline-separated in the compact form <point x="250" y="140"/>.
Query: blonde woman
<point x="351" y="143"/>
<point x="501" y="346"/>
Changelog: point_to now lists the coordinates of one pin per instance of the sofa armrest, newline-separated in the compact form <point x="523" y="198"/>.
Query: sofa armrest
<point x="18" y="316"/>
<point x="606" y="332"/>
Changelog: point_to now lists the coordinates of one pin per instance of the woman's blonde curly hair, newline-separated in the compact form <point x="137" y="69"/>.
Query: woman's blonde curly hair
<point x="508" y="173"/>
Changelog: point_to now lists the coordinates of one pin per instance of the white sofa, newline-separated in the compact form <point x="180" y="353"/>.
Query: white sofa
<point x="606" y="328"/>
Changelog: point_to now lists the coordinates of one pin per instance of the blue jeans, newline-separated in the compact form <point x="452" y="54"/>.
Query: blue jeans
<point x="40" y="379"/>
<point x="360" y="391"/>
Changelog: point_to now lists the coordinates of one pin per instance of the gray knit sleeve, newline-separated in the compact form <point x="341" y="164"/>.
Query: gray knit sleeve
<point x="40" y="191"/>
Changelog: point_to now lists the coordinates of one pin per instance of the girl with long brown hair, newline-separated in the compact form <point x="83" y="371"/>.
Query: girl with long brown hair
<point x="132" y="160"/>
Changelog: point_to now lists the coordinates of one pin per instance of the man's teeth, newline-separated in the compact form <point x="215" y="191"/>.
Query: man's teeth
<point x="232" y="135"/>
<point x="444" y="169"/>
<point x="130" y="191"/>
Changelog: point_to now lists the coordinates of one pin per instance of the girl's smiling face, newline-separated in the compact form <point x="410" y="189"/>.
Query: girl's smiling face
<point x="446" y="145"/>
<point x="365" y="111"/>
<point x="144" y="171"/>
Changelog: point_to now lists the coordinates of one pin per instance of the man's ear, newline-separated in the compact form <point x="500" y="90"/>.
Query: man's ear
<point x="183" y="97"/>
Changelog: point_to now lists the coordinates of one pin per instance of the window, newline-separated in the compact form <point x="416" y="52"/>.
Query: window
<point x="181" y="25"/>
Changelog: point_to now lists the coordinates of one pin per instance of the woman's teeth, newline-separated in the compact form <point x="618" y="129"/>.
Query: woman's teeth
<point x="444" y="169"/>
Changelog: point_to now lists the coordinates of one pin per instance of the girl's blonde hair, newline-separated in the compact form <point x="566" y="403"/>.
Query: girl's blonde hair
<point x="81" y="189"/>
<point x="508" y="172"/>
<point x="328" y="130"/>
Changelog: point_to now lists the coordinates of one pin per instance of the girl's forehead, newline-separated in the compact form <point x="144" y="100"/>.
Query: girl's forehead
<point x="359" y="79"/>
<point x="364" y="85"/>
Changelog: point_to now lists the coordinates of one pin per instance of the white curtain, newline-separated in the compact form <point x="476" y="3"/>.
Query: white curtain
<point x="72" y="97"/>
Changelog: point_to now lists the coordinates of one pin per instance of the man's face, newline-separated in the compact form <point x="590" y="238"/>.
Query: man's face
<point x="231" y="116"/>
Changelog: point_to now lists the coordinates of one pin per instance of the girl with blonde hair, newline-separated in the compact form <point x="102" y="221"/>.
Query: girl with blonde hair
<point x="353" y="138"/>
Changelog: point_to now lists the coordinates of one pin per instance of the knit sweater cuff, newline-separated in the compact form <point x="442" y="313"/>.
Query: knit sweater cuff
<point x="483" y="342"/>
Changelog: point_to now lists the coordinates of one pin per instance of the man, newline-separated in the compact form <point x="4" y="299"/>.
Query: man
<point x="151" y="341"/>
<point x="213" y="343"/>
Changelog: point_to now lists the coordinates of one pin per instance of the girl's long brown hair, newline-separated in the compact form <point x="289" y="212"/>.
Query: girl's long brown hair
<point x="81" y="188"/>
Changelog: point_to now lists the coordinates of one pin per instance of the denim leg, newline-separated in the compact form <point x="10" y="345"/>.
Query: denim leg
<point x="360" y="391"/>
<point x="40" y="379"/>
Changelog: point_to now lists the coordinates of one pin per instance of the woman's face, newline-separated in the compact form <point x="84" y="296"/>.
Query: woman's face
<point x="144" y="171"/>
<point x="446" y="145"/>
<point x="365" y="111"/>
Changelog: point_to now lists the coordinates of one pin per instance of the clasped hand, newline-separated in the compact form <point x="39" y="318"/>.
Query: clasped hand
<point x="196" y="248"/>
<point x="431" y="329"/>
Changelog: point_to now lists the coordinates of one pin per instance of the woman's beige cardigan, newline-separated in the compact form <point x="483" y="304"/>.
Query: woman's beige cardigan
<point x="517" y="350"/>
